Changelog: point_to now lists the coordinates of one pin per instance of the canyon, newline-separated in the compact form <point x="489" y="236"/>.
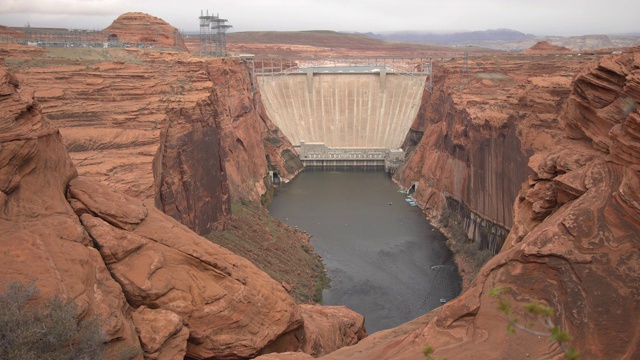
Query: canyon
<point x="115" y="161"/>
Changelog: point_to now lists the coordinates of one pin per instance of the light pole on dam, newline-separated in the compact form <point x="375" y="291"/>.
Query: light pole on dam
<point x="344" y="114"/>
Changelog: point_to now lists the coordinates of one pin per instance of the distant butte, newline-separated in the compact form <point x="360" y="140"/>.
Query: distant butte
<point x="544" y="47"/>
<point x="137" y="27"/>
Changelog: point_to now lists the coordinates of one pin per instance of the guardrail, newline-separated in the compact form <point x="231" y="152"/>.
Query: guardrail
<point x="414" y="67"/>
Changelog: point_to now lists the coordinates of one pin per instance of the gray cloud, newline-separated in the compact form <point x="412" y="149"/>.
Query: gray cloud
<point x="541" y="17"/>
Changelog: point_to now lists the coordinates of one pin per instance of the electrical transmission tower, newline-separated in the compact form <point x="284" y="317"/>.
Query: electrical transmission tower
<point x="465" y="78"/>
<point x="213" y="35"/>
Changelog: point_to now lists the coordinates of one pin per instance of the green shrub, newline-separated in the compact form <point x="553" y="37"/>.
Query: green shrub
<point x="51" y="331"/>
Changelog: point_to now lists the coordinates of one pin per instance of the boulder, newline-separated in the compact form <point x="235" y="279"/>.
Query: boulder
<point x="161" y="333"/>
<point x="231" y="308"/>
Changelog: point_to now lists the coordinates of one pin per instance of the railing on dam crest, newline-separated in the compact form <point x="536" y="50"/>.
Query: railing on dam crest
<point x="418" y="68"/>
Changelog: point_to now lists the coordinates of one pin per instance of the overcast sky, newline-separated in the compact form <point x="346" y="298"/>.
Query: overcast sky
<point x="539" y="17"/>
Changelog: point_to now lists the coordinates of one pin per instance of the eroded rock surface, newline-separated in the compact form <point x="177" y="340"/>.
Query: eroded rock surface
<point x="191" y="181"/>
<point x="473" y="137"/>
<point x="41" y="239"/>
<point x="574" y="245"/>
<point x="152" y="281"/>
<point x="141" y="28"/>
<point x="232" y="309"/>
<point x="323" y="334"/>
<point x="112" y="107"/>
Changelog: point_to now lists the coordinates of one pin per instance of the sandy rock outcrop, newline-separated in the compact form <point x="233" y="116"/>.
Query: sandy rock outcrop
<point x="111" y="106"/>
<point x="231" y="308"/>
<point x="323" y="334"/>
<point x="41" y="239"/>
<point x="161" y="332"/>
<point x="603" y="99"/>
<point x="574" y="246"/>
<point x="138" y="27"/>
<point x="326" y="329"/>
<point x="150" y="280"/>
<point x="471" y="141"/>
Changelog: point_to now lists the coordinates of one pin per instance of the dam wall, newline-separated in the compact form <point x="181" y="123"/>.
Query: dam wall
<point x="342" y="109"/>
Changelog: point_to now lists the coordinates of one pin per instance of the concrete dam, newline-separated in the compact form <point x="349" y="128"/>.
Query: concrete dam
<point x="344" y="115"/>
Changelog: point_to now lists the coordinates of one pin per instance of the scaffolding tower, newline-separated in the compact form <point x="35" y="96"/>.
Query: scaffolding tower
<point x="213" y="33"/>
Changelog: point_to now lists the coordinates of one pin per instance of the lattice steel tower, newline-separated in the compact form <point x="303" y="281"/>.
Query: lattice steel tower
<point x="213" y="33"/>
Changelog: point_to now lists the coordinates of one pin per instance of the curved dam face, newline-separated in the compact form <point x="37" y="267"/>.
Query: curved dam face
<point x="343" y="109"/>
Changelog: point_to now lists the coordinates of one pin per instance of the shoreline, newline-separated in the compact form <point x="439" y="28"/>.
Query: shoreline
<point x="463" y="263"/>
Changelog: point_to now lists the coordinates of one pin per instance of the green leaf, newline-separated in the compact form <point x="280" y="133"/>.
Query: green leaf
<point x="560" y="335"/>
<point x="537" y="309"/>
<point x="510" y="329"/>
<point x="572" y="354"/>
<point x="504" y="306"/>
<point x="428" y="351"/>
<point x="497" y="291"/>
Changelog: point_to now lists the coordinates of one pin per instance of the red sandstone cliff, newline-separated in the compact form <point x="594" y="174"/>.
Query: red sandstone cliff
<point x="111" y="106"/>
<point x="41" y="237"/>
<point x="574" y="243"/>
<point x="472" y="138"/>
<point x="190" y="178"/>
<point x="150" y="280"/>
<point x="250" y="142"/>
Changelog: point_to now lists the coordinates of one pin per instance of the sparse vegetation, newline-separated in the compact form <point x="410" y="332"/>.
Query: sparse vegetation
<point x="51" y="331"/>
<point x="428" y="353"/>
<point x="628" y="106"/>
<point x="537" y="320"/>
<point x="461" y="245"/>
<point x="279" y="250"/>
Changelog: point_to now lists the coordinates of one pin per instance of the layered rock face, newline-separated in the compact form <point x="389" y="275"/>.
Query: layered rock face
<point x="111" y="106"/>
<point x="191" y="182"/>
<point x="473" y="135"/>
<point x="574" y="245"/>
<point x="150" y="280"/>
<point x="248" y="137"/>
<point x="137" y="27"/>
<point x="42" y="240"/>
<point x="231" y="308"/>
<point x="11" y="33"/>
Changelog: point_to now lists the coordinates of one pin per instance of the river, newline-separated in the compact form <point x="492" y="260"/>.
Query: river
<point x="384" y="259"/>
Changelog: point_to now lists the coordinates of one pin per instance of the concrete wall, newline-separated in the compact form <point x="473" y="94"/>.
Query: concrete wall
<point x="367" y="110"/>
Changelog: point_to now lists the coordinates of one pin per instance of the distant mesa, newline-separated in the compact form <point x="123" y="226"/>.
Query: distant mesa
<point x="544" y="47"/>
<point x="10" y="32"/>
<point x="138" y="27"/>
<point x="456" y="38"/>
